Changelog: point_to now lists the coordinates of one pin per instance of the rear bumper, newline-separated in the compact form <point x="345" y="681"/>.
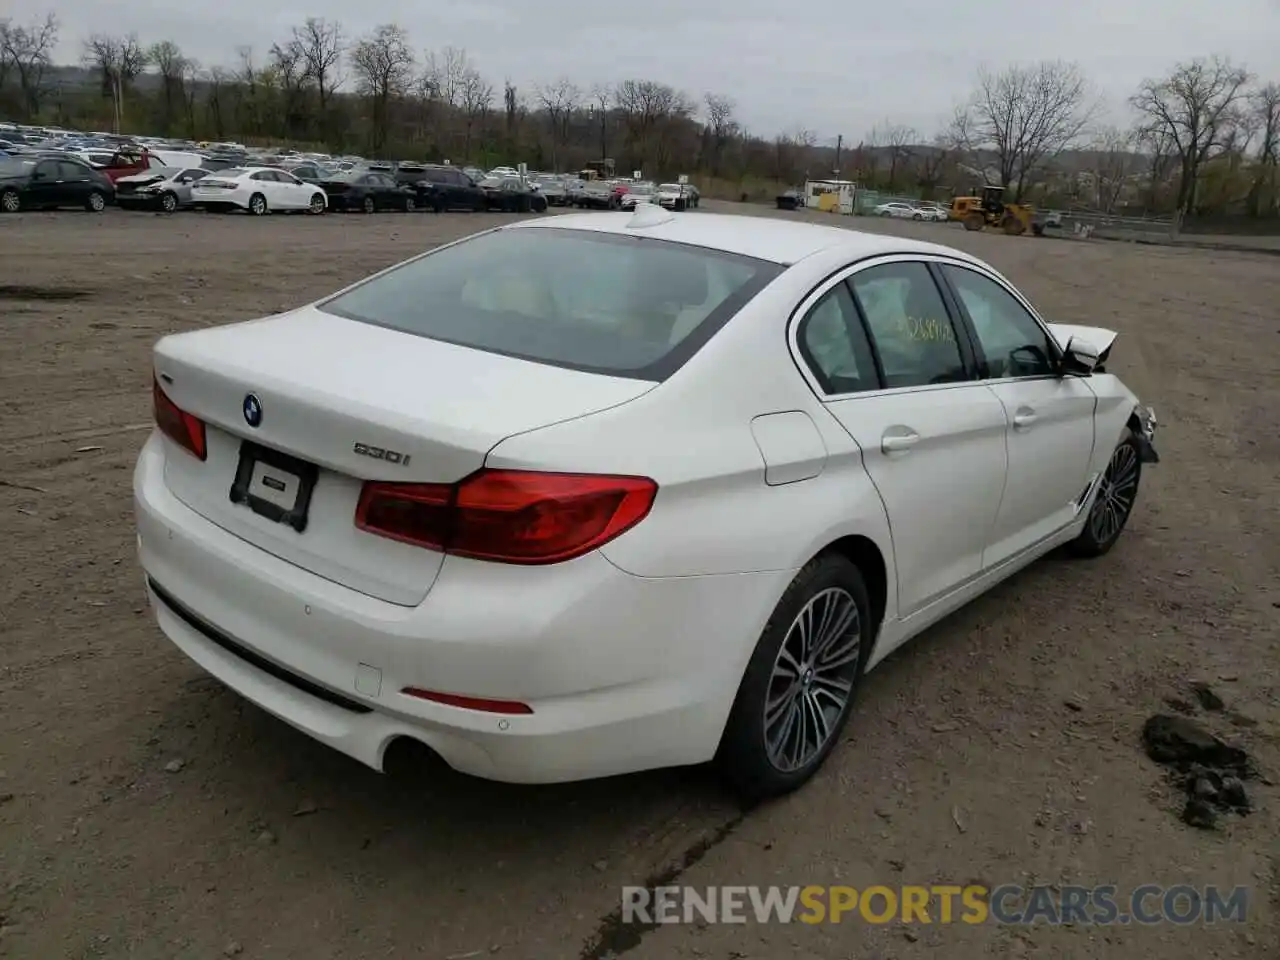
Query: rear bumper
<point x="623" y="673"/>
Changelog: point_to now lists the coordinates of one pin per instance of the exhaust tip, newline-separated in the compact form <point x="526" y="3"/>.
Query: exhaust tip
<point x="411" y="760"/>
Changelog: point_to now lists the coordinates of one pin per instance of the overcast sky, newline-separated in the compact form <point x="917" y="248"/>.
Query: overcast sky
<point x="826" y="65"/>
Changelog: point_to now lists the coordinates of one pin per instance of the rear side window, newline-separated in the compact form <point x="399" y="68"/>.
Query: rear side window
<point x="619" y="305"/>
<point x="833" y="344"/>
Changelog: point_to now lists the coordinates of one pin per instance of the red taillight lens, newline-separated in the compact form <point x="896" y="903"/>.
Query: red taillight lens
<point x="483" y="704"/>
<point x="179" y="426"/>
<point x="511" y="516"/>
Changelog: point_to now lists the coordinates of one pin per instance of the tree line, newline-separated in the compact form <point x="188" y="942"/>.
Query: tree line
<point x="1204" y="139"/>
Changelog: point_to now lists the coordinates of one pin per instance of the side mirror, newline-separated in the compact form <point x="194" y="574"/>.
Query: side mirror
<point x="1080" y="356"/>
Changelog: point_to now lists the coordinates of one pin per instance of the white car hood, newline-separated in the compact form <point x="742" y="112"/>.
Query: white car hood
<point x="1099" y="337"/>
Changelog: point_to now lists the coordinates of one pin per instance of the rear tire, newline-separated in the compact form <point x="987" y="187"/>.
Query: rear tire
<point x="409" y="205"/>
<point x="1113" y="503"/>
<point x="10" y="202"/>
<point x="369" y="205"/>
<point x="799" y="686"/>
<point x="974" y="222"/>
<point x="258" y="205"/>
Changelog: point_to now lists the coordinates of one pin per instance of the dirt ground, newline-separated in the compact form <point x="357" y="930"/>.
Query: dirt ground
<point x="964" y="760"/>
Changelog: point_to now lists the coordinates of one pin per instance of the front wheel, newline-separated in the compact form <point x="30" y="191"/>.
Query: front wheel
<point x="369" y="205"/>
<point x="258" y="205"/>
<point x="799" y="685"/>
<point x="316" y="205"/>
<point x="169" y="202"/>
<point x="1113" y="503"/>
<point x="96" y="202"/>
<point x="409" y="205"/>
<point x="10" y="202"/>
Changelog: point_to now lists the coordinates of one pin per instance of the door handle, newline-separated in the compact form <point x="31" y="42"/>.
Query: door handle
<point x="1024" y="418"/>
<point x="898" y="442"/>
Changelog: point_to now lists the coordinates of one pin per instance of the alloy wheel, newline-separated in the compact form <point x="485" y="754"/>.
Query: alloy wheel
<point x="812" y="679"/>
<point x="10" y="202"/>
<point x="1116" y="494"/>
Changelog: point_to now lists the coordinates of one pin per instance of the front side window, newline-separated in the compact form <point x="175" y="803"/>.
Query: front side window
<point x="626" y="306"/>
<point x="1012" y="343"/>
<point x="909" y="325"/>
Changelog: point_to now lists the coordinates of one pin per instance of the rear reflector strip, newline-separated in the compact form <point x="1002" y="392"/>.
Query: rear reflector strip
<point x="481" y="704"/>
<point x="269" y="667"/>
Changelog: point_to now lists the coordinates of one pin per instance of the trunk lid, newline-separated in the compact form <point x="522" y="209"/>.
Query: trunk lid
<point x="333" y="393"/>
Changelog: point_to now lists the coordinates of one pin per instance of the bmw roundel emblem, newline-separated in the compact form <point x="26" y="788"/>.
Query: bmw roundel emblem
<point x="252" y="410"/>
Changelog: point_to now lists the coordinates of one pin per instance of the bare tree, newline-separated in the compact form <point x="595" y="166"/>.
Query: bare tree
<point x="168" y="60"/>
<point x="1195" y="107"/>
<point x="1025" y="116"/>
<point x="1266" y="115"/>
<point x="216" y="81"/>
<point x="932" y="160"/>
<point x="190" y="74"/>
<point x="602" y="98"/>
<point x="1115" y="161"/>
<point x="119" y="60"/>
<point x="289" y="64"/>
<point x="476" y="96"/>
<point x="559" y="101"/>
<point x="899" y="139"/>
<point x="721" y="125"/>
<point x="646" y="106"/>
<point x="1157" y="147"/>
<point x="320" y="45"/>
<point x="383" y="65"/>
<point x="28" y="51"/>
<point x="514" y="109"/>
<point x="445" y="74"/>
<point x="6" y="65"/>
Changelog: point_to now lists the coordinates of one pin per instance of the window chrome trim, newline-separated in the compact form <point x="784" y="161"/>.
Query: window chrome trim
<point x="845" y="273"/>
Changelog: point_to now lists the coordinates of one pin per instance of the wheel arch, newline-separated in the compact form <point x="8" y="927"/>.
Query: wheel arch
<point x="865" y="554"/>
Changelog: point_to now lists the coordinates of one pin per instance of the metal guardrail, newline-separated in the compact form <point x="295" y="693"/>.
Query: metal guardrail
<point x="1111" y="227"/>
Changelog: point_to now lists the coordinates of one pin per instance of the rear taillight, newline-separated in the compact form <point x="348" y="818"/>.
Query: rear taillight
<point x="179" y="426"/>
<point x="510" y="516"/>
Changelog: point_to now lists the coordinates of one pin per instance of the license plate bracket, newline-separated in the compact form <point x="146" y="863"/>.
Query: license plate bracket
<point x="274" y="485"/>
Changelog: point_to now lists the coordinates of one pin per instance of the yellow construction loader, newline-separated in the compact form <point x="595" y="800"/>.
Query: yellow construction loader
<point x="986" y="208"/>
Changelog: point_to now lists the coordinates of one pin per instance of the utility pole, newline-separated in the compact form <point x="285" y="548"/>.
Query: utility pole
<point x="839" y="145"/>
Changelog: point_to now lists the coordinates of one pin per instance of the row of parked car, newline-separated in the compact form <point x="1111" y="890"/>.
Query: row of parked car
<point x="46" y="168"/>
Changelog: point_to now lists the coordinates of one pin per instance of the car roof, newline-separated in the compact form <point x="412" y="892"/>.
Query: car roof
<point x="765" y="238"/>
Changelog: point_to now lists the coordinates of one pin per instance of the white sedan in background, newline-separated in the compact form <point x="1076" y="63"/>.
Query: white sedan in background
<point x="259" y="190"/>
<point x="589" y="514"/>
<point x="903" y="211"/>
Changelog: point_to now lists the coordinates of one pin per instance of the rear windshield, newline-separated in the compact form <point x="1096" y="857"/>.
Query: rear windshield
<point x="619" y="305"/>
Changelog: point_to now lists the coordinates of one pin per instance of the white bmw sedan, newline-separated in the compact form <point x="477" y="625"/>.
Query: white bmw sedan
<point x="259" y="190"/>
<point x="594" y="494"/>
